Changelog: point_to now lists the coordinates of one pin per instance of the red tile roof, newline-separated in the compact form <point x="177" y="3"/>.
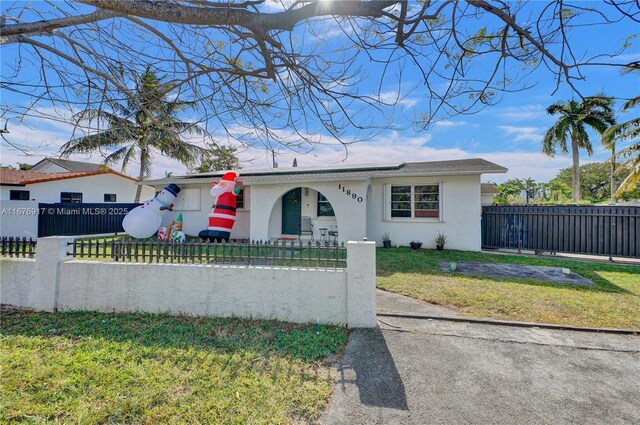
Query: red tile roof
<point x="21" y="177"/>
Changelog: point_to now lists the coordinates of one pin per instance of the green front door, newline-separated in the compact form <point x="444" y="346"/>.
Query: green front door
<point x="291" y="209"/>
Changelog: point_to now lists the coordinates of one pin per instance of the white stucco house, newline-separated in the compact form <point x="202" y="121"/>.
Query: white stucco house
<point x="22" y="191"/>
<point x="488" y="191"/>
<point x="409" y="201"/>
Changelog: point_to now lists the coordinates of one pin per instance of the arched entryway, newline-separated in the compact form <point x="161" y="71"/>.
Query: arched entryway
<point x="304" y="213"/>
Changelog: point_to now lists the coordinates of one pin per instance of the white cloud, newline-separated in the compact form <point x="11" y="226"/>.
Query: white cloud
<point x="449" y="123"/>
<point x="523" y="134"/>
<point x="392" y="97"/>
<point x="523" y="113"/>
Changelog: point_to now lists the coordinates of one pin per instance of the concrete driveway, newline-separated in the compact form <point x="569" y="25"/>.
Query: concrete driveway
<point x="435" y="372"/>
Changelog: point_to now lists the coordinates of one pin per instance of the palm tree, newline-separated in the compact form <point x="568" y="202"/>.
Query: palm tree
<point x="629" y="130"/>
<point x="145" y="124"/>
<point x="595" y="112"/>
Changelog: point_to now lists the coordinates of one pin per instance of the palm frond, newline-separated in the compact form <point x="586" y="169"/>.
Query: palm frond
<point x="131" y="154"/>
<point x="115" y="156"/>
<point x="556" y="136"/>
<point x="111" y="138"/>
<point x="626" y="131"/>
<point x="632" y="181"/>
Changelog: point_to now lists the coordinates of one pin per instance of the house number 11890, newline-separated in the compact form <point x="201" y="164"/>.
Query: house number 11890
<point x="348" y="192"/>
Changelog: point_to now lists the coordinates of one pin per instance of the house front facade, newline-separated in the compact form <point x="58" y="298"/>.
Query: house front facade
<point x="407" y="201"/>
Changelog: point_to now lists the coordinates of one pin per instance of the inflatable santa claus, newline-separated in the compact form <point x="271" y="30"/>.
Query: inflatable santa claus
<point x="223" y="213"/>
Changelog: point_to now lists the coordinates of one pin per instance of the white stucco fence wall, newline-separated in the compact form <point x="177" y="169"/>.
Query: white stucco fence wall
<point x="56" y="282"/>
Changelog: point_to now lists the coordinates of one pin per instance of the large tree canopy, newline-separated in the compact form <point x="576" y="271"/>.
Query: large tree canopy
<point x="264" y="70"/>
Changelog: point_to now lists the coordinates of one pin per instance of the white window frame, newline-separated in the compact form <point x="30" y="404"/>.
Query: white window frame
<point x="387" y="203"/>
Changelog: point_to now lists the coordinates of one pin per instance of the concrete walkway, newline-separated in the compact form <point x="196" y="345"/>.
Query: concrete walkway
<point x="411" y="371"/>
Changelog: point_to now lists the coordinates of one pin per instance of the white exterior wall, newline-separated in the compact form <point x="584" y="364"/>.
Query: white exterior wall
<point x="92" y="188"/>
<point x="223" y="291"/>
<point x="487" y="198"/>
<point x="19" y="219"/>
<point x="460" y="223"/>
<point x="16" y="276"/>
<point x="351" y="215"/>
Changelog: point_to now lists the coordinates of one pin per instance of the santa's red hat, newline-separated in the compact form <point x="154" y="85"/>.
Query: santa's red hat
<point x="230" y="176"/>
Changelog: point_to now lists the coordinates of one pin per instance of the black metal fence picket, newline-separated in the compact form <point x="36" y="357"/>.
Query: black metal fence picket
<point x="17" y="247"/>
<point x="254" y="253"/>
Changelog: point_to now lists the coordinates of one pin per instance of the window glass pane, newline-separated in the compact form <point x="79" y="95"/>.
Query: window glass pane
<point x="401" y="206"/>
<point x="70" y="197"/>
<point x="425" y="197"/>
<point x="19" y="195"/>
<point x="240" y="199"/>
<point x="400" y="189"/>
<point x="427" y="206"/>
<point x="109" y="197"/>
<point x="428" y="213"/>
<point x="432" y="188"/>
<point x="401" y="213"/>
<point x="406" y="197"/>
<point x="324" y="207"/>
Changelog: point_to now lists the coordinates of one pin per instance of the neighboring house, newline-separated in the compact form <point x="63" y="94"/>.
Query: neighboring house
<point x="410" y="201"/>
<point x="22" y="191"/>
<point x="488" y="191"/>
<point x="102" y="185"/>
<point x="55" y="165"/>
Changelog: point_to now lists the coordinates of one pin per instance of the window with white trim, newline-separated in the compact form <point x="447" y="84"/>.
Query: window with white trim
<point x="325" y="209"/>
<point x="421" y="201"/>
<point x="70" y="198"/>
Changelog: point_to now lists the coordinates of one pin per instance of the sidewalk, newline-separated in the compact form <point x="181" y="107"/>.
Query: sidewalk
<point x="413" y="371"/>
<point x="567" y="256"/>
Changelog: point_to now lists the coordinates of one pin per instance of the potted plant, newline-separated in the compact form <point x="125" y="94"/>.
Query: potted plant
<point x="415" y="244"/>
<point x="386" y="240"/>
<point x="440" y="241"/>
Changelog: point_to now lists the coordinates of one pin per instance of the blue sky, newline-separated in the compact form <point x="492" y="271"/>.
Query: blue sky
<point x="508" y="133"/>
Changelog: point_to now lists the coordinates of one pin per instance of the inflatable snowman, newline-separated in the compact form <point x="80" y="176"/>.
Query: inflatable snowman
<point x="144" y="221"/>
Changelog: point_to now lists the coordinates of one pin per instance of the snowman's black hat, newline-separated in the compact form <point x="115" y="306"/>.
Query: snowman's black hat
<point x="173" y="188"/>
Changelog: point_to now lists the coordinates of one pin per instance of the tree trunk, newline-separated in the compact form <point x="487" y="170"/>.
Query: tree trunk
<point x="575" y="170"/>
<point x="144" y="157"/>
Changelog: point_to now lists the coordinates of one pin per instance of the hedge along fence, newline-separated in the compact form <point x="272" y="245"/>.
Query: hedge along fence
<point x="290" y="292"/>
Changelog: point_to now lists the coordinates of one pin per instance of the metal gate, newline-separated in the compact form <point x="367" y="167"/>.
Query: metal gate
<point x="81" y="219"/>
<point x="605" y="230"/>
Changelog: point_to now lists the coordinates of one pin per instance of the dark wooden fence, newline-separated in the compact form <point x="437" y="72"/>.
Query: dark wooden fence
<point x="81" y="219"/>
<point x="606" y="230"/>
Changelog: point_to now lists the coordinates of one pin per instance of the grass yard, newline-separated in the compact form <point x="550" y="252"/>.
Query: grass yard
<point x="614" y="301"/>
<point x="87" y="367"/>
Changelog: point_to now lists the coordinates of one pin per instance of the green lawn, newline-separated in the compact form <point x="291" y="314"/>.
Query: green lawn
<point x="613" y="302"/>
<point x="88" y="367"/>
